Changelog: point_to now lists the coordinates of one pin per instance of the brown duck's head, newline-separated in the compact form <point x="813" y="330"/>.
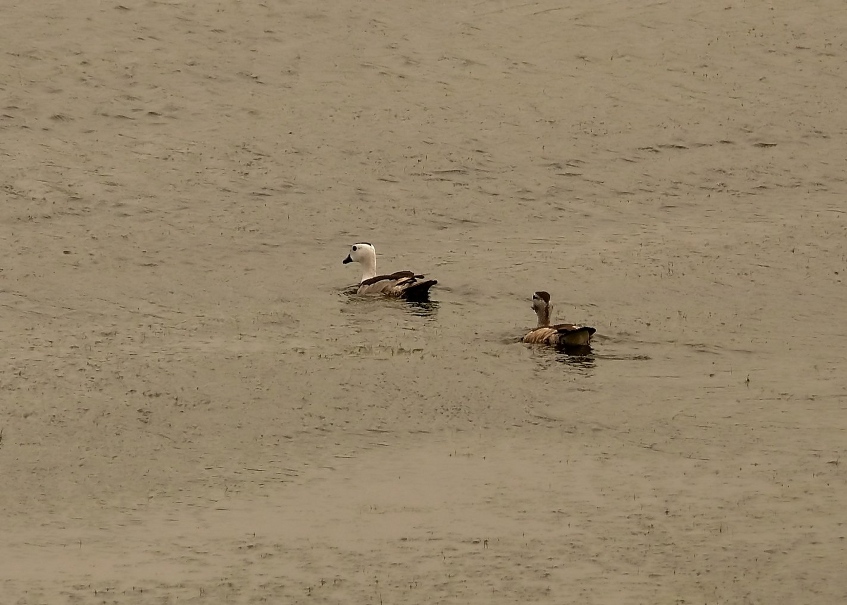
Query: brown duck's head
<point x="540" y="300"/>
<point x="542" y="307"/>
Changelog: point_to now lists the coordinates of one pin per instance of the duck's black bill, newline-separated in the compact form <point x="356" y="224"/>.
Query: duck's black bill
<point x="347" y="260"/>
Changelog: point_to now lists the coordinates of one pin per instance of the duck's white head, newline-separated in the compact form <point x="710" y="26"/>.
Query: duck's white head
<point x="541" y="305"/>
<point x="364" y="254"/>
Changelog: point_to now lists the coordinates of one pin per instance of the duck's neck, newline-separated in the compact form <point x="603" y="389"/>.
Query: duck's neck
<point x="543" y="316"/>
<point x="368" y="268"/>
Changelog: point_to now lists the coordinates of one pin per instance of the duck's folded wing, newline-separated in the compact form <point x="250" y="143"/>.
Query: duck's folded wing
<point x="385" y="284"/>
<point x="569" y="328"/>
<point x="560" y="334"/>
<point x="572" y="334"/>
<point x="394" y="277"/>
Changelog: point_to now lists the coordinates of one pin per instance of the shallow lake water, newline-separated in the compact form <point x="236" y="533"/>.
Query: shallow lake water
<point x="195" y="408"/>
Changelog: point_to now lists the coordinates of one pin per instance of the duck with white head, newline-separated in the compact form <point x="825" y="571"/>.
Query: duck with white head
<point x="402" y="284"/>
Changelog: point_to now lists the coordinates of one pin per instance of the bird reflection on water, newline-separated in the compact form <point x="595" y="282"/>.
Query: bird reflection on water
<point x="580" y="357"/>
<point x="421" y="308"/>
<point x="585" y="357"/>
<point x="365" y="303"/>
<point x="576" y="356"/>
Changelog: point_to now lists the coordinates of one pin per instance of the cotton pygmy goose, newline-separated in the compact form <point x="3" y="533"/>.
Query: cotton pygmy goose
<point x="558" y="334"/>
<point x="402" y="284"/>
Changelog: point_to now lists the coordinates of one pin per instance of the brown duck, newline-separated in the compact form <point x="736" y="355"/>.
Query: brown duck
<point x="556" y="335"/>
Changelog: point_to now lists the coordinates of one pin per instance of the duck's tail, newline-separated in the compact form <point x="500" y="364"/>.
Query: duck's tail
<point x="418" y="291"/>
<point x="575" y="336"/>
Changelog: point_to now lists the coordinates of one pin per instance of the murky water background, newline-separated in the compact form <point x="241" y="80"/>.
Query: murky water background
<point x="188" y="379"/>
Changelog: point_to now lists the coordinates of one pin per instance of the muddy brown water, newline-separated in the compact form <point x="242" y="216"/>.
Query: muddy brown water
<point x="194" y="406"/>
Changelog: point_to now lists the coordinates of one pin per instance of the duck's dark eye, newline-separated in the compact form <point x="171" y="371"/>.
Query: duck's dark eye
<point x="354" y="248"/>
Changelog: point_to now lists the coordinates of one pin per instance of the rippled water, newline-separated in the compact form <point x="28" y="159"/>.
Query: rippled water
<point x="180" y="335"/>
